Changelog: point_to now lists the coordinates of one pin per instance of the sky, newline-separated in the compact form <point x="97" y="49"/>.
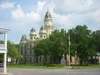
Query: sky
<point x="21" y="15"/>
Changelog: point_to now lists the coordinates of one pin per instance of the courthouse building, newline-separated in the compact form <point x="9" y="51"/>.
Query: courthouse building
<point x="26" y="45"/>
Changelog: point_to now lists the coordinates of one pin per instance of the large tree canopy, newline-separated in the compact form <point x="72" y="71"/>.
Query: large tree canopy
<point x="59" y="44"/>
<point x="96" y="40"/>
<point x="84" y="43"/>
<point x="81" y="42"/>
<point x="55" y="45"/>
<point x="42" y="47"/>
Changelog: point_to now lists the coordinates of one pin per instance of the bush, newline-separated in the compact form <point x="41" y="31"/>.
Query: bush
<point x="55" y="65"/>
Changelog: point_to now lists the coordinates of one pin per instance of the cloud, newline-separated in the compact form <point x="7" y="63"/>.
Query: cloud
<point x="34" y="16"/>
<point x="7" y="5"/>
<point x="18" y="13"/>
<point x="70" y="13"/>
<point x="65" y="14"/>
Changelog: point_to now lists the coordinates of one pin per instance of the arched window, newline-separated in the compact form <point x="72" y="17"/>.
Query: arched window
<point x="30" y="59"/>
<point x="44" y="36"/>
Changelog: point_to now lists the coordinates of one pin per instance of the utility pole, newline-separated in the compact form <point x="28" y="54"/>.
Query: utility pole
<point x="69" y="46"/>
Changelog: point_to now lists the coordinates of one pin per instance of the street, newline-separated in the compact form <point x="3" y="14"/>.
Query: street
<point x="26" y="71"/>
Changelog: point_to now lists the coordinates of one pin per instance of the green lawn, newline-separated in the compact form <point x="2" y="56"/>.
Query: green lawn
<point x="32" y="66"/>
<point x="51" y="66"/>
<point x="90" y="66"/>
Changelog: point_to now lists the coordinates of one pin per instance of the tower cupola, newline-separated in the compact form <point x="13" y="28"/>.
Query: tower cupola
<point x="23" y="39"/>
<point x="48" y="15"/>
<point x="42" y="32"/>
<point x="48" y="19"/>
<point x="33" y="34"/>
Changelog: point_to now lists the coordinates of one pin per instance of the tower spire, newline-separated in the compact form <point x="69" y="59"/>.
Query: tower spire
<point x="48" y="15"/>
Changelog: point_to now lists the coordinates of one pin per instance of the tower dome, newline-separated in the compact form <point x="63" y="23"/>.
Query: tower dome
<point x="32" y="32"/>
<point x="42" y="32"/>
<point x="42" y="29"/>
<point x="48" y="15"/>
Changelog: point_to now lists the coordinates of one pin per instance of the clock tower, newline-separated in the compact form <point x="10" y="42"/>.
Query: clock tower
<point x="48" y="23"/>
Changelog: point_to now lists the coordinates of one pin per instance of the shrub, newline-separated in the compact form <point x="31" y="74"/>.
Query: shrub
<point x="55" y="65"/>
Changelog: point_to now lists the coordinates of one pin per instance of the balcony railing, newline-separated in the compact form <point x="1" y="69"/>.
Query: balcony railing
<point x="2" y="47"/>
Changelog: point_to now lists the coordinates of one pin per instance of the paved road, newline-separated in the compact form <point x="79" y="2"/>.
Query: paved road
<point x="25" y="71"/>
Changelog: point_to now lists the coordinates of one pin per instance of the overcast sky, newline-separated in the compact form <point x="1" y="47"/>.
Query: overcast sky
<point x="21" y="15"/>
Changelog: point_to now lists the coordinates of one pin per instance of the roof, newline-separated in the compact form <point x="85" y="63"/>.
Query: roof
<point x="23" y="39"/>
<point x="3" y="31"/>
<point x="42" y="28"/>
<point x="33" y="30"/>
<point x="48" y="15"/>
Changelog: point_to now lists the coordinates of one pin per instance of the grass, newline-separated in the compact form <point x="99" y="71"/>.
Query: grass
<point x="53" y="66"/>
<point x="32" y="66"/>
<point x="90" y="66"/>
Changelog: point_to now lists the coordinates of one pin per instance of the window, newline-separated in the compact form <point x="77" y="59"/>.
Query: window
<point x="44" y="36"/>
<point x="30" y="51"/>
<point x="45" y="59"/>
<point x="70" y="58"/>
<point x="30" y="46"/>
<point x="25" y="51"/>
<point x="21" y="47"/>
<point x="30" y="59"/>
<point x="41" y="36"/>
<point x="40" y="59"/>
<point x="31" y="37"/>
<point x="36" y="59"/>
<point x="21" y="51"/>
<point x="25" y="59"/>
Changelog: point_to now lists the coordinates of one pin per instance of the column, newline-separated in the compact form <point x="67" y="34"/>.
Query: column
<point x="99" y="60"/>
<point x="5" y="64"/>
<point x="5" y="54"/>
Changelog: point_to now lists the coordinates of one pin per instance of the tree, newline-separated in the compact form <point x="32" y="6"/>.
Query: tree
<point x="55" y="45"/>
<point x="13" y="50"/>
<point x="84" y="44"/>
<point x="42" y="47"/>
<point x="95" y="44"/>
<point x="96" y="40"/>
<point x="81" y="42"/>
<point x="59" y="44"/>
